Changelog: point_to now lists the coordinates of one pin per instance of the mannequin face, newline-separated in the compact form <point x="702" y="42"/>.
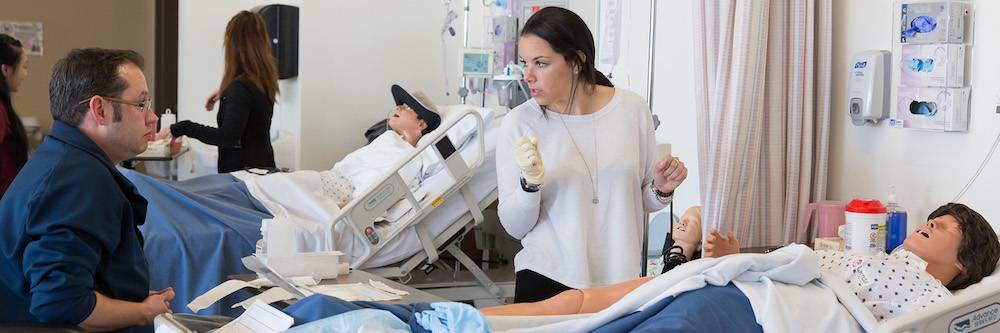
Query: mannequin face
<point x="688" y="228"/>
<point x="405" y="120"/>
<point x="15" y="75"/>
<point x="937" y="241"/>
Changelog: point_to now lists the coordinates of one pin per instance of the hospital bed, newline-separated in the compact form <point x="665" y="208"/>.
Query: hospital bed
<point x="456" y="196"/>
<point x="971" y="309"/>
<point x="976" y="308"/>
<point x="196" y="230"/>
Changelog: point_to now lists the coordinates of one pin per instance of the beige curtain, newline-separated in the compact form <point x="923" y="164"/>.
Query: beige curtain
<point x="762" y="74"/>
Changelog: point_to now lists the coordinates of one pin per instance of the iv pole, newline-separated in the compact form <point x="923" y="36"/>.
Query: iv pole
<point x="464" y="90"/>
<point x="656" y="124"/>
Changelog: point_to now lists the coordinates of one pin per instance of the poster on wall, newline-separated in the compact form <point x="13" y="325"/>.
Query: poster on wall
<point x="29" y="33"/>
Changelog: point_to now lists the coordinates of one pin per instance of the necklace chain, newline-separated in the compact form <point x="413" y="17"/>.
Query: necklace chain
<point x="591" y="176"/>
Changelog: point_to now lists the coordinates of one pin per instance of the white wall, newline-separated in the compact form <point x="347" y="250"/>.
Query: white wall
<point x="673" y="81"/>
<point x="353" y="52"/>
<point x="929" y="168"/>
<point x="350" y="53"/>
<point x="201" y="27"/>
<point x="673" y="85"/>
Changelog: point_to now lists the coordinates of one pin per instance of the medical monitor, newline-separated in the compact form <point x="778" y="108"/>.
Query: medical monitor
<point x="477" y="62"/>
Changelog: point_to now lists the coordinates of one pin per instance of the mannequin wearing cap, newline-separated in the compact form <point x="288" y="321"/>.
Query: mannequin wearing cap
<point x="413" y="116"/>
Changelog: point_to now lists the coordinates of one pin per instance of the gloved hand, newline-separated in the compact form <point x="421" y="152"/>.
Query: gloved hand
<point x="529" y="160"/>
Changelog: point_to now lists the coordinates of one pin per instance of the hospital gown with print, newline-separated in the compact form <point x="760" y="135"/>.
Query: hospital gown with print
<point x="888" y="285"/>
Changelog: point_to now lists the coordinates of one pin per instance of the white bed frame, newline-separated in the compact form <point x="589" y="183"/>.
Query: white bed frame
<point x="976" y="309"/>
<point x="361" y="214"/>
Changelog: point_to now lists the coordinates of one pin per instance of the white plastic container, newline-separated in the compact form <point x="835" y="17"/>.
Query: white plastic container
<point x="167" y="118"/>
<point x="864" y="227"/>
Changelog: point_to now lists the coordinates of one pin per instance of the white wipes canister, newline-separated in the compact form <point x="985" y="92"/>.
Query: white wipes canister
<point x="167" y="118"/>
<point x="864" y="227"/>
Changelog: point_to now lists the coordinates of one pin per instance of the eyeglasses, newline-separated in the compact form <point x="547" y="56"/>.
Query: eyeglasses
<point x="146" y="105"/>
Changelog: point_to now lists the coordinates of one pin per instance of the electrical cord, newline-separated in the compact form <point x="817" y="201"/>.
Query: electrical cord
<point x="982" y="166"/>
<point x="674" y="259"/>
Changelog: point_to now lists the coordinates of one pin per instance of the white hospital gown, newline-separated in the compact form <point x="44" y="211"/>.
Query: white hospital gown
<point x="888" y="285"/>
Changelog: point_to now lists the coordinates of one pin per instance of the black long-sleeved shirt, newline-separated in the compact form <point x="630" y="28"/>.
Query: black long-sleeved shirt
<point x="243" y="136"/>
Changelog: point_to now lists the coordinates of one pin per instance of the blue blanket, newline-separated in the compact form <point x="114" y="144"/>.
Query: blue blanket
<point x="196" y="231"/>
<point x="709" y="309"/>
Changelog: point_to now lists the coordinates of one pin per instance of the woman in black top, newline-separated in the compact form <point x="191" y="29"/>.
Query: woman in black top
<point x="249" y="88"/>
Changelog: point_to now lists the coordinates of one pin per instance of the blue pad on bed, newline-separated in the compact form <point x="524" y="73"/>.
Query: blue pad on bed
<point x="709" y="309"/>
<point x="317" y="307"/>
<point x="195" y="233"/>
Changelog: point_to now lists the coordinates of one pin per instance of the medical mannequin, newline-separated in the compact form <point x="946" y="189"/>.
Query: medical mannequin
<point x="576" y="164"/>
<point x="414" y="115"/>
<point x="957" y="245"/>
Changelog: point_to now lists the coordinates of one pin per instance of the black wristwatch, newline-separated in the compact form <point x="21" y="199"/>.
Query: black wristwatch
<point x="660" y="195"/>
<point x="530" y="188"/>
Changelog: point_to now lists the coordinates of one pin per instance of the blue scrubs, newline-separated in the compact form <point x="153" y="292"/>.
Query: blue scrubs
<point x="69" y="228"/>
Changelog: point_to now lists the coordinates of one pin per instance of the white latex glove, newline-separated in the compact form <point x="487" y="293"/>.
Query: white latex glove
<point x="529" y="160"/>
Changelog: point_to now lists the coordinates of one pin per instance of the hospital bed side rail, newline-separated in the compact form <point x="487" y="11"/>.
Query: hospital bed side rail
<point x="361" y="214"/>
<point x="971" y="310"/>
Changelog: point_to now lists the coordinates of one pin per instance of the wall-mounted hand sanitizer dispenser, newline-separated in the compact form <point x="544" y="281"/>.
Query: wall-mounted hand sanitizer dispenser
<point x="868" y="87"/>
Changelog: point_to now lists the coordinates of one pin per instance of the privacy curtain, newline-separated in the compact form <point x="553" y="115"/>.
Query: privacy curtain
<point x="762" y="75"/>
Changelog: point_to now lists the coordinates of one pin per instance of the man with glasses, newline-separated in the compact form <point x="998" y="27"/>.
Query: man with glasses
<point x="69" y="221"/>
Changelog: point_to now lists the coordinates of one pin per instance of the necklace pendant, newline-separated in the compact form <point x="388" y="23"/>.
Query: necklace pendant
<point x="595" y="201"/>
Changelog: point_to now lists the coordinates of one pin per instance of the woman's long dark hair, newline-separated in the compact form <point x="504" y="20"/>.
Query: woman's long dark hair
<point x="569" y="36"/>
<point x="10" y="55"/>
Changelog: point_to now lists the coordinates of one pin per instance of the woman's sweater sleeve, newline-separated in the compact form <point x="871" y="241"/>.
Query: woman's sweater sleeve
<point x="518" y="209"/>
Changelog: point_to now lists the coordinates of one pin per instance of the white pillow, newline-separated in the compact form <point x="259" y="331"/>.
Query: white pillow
<point x="466" y="127"/>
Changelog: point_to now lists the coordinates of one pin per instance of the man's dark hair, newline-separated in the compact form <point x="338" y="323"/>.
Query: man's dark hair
<point x="979" y="251"/>
<point x="84" y="73"/>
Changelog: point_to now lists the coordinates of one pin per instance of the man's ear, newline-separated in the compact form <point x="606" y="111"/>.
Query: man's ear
<point x="7" y="70"/>
<point x="422" y="125"/>
<point x="98" y="111"/>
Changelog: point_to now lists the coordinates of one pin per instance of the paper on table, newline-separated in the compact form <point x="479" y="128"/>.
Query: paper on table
<point x="268" y="296"/>
<point x="217" y="293"/>
<point x="355" y="292"/>
<point x="259" y="318"/>
<point x="307" y="281"/>
<point x="226" y="288"/>
<point x="384" y="287"/>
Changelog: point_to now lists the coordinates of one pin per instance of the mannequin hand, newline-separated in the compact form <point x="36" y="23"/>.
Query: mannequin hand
<point x="210" y="101"/>
<point x="669" y="173"/>
<point x="529" y="160"/>
<point x="719" y="245"/>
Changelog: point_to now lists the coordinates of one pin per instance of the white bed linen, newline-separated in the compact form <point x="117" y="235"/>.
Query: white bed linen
<point x="776" y="284"/>
<point x="293" y="197"/>
<point x="483" y="182"/>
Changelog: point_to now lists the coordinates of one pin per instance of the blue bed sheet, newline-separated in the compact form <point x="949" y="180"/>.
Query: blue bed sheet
<point x="195" y="233"/>
<point x="709" y="309"/>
